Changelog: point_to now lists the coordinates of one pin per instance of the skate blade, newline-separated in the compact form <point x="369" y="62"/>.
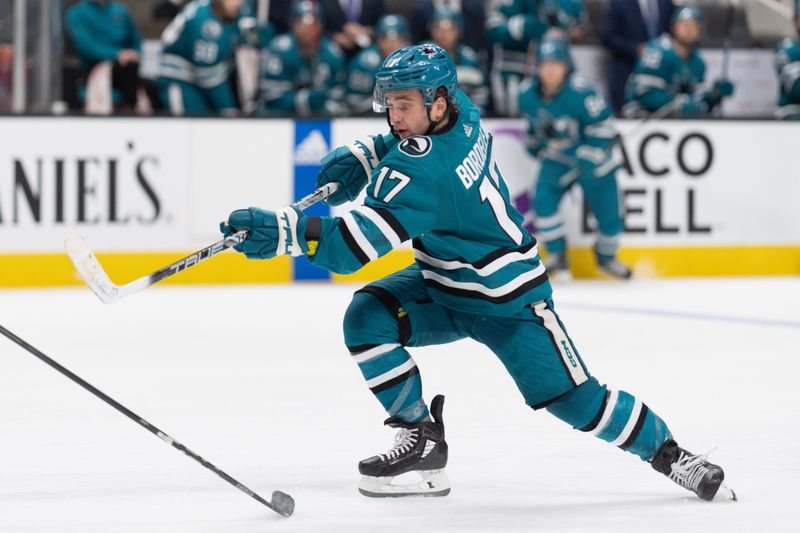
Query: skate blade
<point x="560" y="276"/>
<point x="434" y="484"/>
<point x="725" y="494"/>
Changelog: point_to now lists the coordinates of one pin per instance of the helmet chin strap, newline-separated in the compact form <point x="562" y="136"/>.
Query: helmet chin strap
<point x="433" y="123"/>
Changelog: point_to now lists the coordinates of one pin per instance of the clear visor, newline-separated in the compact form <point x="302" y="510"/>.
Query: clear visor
<point x="383" y="100"/>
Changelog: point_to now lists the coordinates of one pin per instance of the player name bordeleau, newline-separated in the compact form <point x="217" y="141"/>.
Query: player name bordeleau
<point x="470" y="170"/>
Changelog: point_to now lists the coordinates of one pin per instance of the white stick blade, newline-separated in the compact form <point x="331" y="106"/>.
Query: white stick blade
<point x="90" y="270"/>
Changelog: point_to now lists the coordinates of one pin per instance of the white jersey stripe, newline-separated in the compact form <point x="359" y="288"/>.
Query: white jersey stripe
<point x="487" y="270"/>
<point x="393" y="373"/>
<point x="610" y="406"/>
<point x="372" y="353"/>
<point x="502" y="290"/>
<point x="360" y="238"/>
<point x="628" y="429"/>
<point x="383" y="226"/>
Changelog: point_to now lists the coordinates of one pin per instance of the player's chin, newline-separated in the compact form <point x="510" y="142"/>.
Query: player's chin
<point x="403" y="134"/>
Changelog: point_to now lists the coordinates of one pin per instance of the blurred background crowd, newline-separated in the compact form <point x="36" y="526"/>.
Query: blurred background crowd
<point x="318" y="57"/>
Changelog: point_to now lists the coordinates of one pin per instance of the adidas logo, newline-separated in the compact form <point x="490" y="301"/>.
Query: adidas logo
<point x="311" y="149"/>
<point x="468" y="130"/>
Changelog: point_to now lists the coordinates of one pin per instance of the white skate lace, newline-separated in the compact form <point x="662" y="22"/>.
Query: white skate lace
<point x="403" y="442"/>
<point x="688" y="471"/>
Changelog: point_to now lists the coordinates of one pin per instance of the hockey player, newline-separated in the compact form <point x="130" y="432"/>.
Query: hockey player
<point x="787" y="64"/>
<point x="302" y="71"/>
<point x="391" y="33"/>
<point x="446" y="32"/>
<point x="570" y="131"/>
<point x="514" y="27"/>
<point x="477" y="274"/>
<point x="198" y="58"/>
<point x="669" y="72"/>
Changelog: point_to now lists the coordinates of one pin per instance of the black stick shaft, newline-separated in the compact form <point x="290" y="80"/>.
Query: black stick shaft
<point x="284" y="508"/>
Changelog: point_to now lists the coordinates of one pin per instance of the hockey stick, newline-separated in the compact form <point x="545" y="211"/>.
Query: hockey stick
<point x="96" y="278"/>
<point x="281" y="502"/>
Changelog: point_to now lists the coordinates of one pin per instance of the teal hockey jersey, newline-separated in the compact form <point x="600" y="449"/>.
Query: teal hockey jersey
<point x="573" y="126"/>
<point x="661" y="75"/>
<point x="292" y="84"/>
<point x="199" y="47"/>
<point x="513" y="24"/>
<point x="100" y="31"/>
<point x="361" y="80"/>
<point x="444" y="192"/>
<point x="471" y="76"/>
<point x="787" y="65"/>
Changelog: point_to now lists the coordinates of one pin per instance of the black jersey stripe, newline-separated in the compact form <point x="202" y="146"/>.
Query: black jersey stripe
<point x="476" y="295"/>
<point x="596" y="420"/>
<point x="359" y="348"/>
<point x="395" y="308"/>
<point x="390" y="219"/>
<point x="483" y="261"/>
<point x="351" y="243"/>
<point x="636" y="429"/>
<point x="394" y="381"/>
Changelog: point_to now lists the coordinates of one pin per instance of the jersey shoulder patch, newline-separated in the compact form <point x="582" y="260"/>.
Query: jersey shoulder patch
<point x="416" y="146"/>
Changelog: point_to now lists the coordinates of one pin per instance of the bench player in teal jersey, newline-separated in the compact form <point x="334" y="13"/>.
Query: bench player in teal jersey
<point x="787" y="64"/>
<point x="302" y="71"/>
<point x="570" y="132"/>
<point x="445" y="31"/>
<point x="669" y="72"/>
<point x="515" y="27"/>
<point x="391" y="33"/>
<point x="434" y="180"/>
<point x="197" y="60"/>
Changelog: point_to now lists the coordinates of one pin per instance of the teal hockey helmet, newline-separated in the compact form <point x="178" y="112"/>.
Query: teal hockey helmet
<point x="686" y="13"/>
<point x="425" y="67"/>
<point x="392" y="26"/>
<point x="305" y="8"/>
<point x="554" y="49"/>
<point x="447" y="14"/>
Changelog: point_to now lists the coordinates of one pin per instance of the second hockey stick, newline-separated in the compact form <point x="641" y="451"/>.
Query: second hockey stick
<point x="281" y="502"/>
<point x="92" y="272"/>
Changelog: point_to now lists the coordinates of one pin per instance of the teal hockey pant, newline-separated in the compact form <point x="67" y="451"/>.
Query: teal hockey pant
<point x="397" y="312"/>
<point x="182" y="98"/>
<point x="602" y="195"/>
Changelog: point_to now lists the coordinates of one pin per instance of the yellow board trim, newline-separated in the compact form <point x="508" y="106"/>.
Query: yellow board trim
<point x="53" y="270"/>
<point x="645" y="262"/>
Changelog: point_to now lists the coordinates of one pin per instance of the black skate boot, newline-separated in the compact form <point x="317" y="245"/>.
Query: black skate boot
<point x="692" y="472"/>
<point x="557" y="267"/>
<point x="419" y="448"/>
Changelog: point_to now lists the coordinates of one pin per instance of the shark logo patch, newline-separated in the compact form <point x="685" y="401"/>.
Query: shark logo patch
<point x="417" y="146"/>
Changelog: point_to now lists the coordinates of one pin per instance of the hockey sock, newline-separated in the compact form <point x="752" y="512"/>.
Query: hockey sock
<point x="606" y="247"/>
<point x="551" y="231"/>
<point x="613" y="416"/>
<point x="373" y="338"/>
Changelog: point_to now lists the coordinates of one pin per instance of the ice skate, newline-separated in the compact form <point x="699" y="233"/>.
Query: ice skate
<point x="557" y="267"/>
<point x="615" y="268"/>
<point x="692" y="472"/>
<point x="419" y="449"/>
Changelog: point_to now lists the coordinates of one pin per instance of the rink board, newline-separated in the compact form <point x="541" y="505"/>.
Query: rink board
<point x="146" y="192"/>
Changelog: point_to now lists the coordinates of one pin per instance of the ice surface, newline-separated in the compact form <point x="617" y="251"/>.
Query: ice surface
<point x="257" y="380"/>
